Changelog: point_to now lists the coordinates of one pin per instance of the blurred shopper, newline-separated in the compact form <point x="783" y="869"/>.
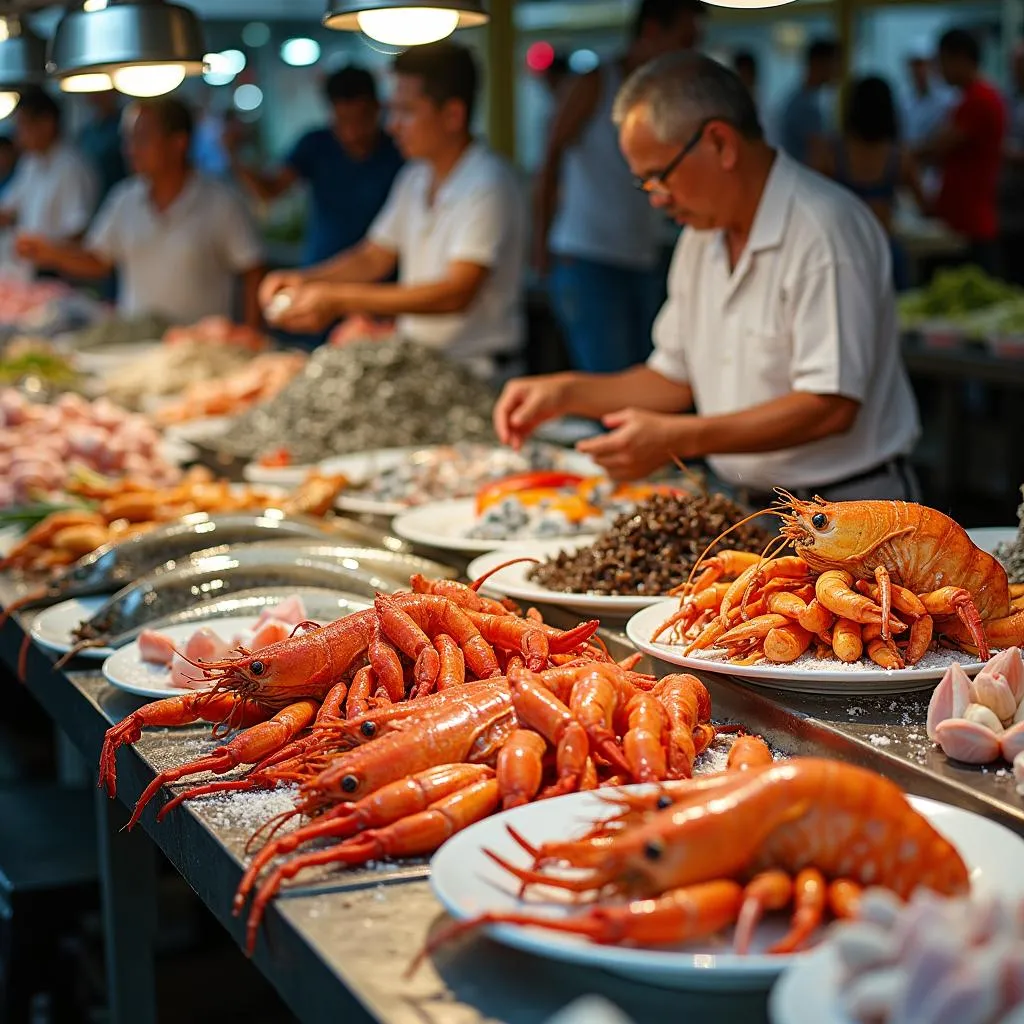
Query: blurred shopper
<point x="1011" y="195"/>
<point x="780" y="327"/>
<point x="53" y="191"/>
<point x="870" y="161"/>
<point x="598" y="238"/>
<point x="453" y="225"/>
<point x="348" y="166"/>
<point x="968" y="149"/>
<point x="557" y="75"/>
<point x="744" y="63"/>
<point x="929" y="102"/>
<point x="100" y="140"/>
<point x="178" y="241"/>
<point x="8" y="162"/>
<point x="804" y="119"/>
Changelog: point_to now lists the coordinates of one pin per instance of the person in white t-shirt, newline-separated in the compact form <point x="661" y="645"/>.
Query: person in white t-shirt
<point x="453" y="225"/>
<point x="54" y="190"/>
<point x="179" y="241"/>
<point x="780" y="327"/>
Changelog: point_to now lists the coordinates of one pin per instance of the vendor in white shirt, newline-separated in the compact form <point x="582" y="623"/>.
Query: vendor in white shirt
<point x="54" y="190"/>
<point x="453" y="225"/>
<point x="780" y="327"/>
<point x="179" y="241"/>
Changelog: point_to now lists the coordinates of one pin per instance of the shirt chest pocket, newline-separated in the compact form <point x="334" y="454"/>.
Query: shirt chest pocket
<point x="768" y="359"/>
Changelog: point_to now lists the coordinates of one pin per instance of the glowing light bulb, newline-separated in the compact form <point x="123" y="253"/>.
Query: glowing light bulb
<point x="748" y="5"/>
<point x="301" y="52"/>
<point x="94" y="5"/>
<point x="149" y="79"/>
<point x="8" y="101"/>
<point x="408" y="26"/>
<point x="91" y="82"/>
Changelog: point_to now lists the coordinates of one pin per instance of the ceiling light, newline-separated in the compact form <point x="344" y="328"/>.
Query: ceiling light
<point x="95" y="82"/>
<point x="162" y="38"/>
<point x="94" y="5"/>
<point x="248" y="97"/>
<point x="8" y="101"/>
<point x="301" y="52"/>
<point x="218" y="69"/>
<point x="582" y="62"/>
<point x="22" y="53"/>
<point x="145" y="80"/>
<point x="234" y="61"/>
<point x="748" y="5"/>
<point x="256" y="34"/>
<point x="404" y="22"/>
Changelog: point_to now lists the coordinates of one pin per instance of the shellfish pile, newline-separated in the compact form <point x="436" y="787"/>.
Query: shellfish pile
<point x="980" y="720"/>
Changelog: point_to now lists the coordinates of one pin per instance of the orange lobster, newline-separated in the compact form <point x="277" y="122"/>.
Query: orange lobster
<point x="702" y="855"/>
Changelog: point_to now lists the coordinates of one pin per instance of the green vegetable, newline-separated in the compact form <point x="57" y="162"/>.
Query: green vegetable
<point x="955" y="296"/>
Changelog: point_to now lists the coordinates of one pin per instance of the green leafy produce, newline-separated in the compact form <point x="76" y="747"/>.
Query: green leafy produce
<point x="47" y="366"/>
<point x="955" y="295"/>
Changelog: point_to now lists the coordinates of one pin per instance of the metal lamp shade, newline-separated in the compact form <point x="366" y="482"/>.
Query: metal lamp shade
<point x="344" y="14"/>
<point x="139" y="32"/>
<point x="22" y="55"/>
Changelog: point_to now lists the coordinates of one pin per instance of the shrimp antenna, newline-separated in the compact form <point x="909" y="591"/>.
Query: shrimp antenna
<point x="699" y="481"/>
<point x="722" y="536"/>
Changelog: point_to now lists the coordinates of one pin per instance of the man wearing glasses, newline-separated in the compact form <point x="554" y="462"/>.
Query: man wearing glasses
<point x="780" y="327"/>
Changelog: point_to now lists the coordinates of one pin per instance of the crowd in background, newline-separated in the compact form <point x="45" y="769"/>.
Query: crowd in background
<point x="955" y="150"/>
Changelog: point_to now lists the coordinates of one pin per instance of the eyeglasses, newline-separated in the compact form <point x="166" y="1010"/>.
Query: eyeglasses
<point x="656" y="182"/>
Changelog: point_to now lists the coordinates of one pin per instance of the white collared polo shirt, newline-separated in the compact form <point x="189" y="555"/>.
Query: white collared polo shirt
<point x="808" y="307"/>
<point x="180" y="262"/>
<point x="478" y="216"/>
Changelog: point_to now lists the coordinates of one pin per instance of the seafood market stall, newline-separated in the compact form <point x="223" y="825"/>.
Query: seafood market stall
<point x="370" y="711"/>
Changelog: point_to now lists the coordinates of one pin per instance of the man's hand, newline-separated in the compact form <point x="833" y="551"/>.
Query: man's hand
<point x="313" y="307"/>
<point x="33" y="248"/>
<point x="278" y="281"/>
<point x="641" y="442"/>
<point x="528" y="402"/>
<point x="361" y="328"/>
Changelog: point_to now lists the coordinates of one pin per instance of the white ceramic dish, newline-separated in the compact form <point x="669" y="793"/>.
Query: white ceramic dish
<point x="805" y="676"/>
<point x="205" y="430"/>
<point x="513" y="582"/>
<point x="988" y="538"/>
<point x="468" y="883"/>
<point x="125" y="669"/>
<point x="445" y="525"/>
<point x="106" y="358"/>
<point x="52" y="628"/>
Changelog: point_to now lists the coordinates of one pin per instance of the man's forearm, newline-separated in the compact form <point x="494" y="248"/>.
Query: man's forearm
<point x="265" y="187"/>
<point x="594" y="395"/>
<point x="795" y="419"/>
<point x="400" y="300"/>
<point x="251" y="311"/>
<point x="73" y="261"/>
<point x="358" y="265"/>
<point x="544" y="203"/>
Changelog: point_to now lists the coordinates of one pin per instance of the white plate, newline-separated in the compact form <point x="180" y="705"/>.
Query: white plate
<point x="513" y="581"/>
<point x="112" y="357"/>
<point x="293" y="476"/>
<point x="125" y="669"/>
<point x="468" y="883"/>
<point x="848" y="679"/>
<point x="199" y="431"/>
<point x="444" y="524"/>
<point x="361" y="467"/>
<point x="53" y="627"/>
<point x="988" y="538"/>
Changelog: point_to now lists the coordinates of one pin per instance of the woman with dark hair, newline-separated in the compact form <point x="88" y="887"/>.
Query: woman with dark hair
<point x="870" y="160"/>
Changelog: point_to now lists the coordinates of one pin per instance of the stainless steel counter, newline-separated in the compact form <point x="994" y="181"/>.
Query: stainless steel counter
<point x="337" y="947"/>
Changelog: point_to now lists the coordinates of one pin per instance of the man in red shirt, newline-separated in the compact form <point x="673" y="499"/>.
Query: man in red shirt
<point x="968" y="150"/>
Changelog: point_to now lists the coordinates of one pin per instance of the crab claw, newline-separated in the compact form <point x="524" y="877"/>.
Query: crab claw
<point x="967" y="741"/>
<point x="949" y="699"/>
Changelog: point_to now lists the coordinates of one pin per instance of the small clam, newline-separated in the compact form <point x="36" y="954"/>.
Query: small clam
<point x="1011" y="743"/>
<point x="993" y="692"/>
<point x="983" y="716"/>
<point x="967" y="741"/>
<point x="950" y="698"/>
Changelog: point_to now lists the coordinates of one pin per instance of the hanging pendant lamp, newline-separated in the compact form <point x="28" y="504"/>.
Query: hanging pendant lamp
<point x="141" y="47"/>
<point x="22" y="61"/>
<point x="748" y="5"/>
<point x="405" y="22"/>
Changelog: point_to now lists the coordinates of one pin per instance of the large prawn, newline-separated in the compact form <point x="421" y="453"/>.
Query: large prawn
<point x="964" y="589"/>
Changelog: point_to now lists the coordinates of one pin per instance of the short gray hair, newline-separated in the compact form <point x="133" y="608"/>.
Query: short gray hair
<point x="681" y="90"/>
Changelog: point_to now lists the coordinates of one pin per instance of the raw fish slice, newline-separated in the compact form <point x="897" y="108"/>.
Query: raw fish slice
<point x="186" y="676"/>
<point x="270" y="633"/>
<point x="156" y="648"/>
